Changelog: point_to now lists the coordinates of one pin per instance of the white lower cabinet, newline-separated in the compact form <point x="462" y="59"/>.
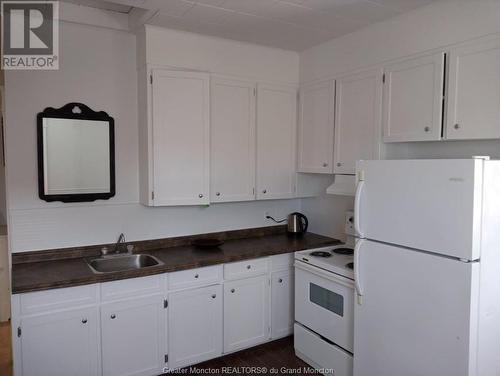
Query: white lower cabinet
<point x="194" y="325"/>
<point x="246" y="312"/>
<point x="133" y="336"/>
<point x="282" y="303"/>
<point x="59" y="344"/>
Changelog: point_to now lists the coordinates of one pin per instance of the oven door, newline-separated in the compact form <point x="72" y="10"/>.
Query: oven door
<point x="324" y="303"/>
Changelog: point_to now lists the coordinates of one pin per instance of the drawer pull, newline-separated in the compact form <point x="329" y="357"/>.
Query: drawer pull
<point x="214" y="296"/>
<point x="113" y="316"/>
<point x="232" y="291"/>
<point x="84" y="321"/>
<point x="196" y="276"/>
<point x="280" y="280"/>
<point x="249" y="266"/>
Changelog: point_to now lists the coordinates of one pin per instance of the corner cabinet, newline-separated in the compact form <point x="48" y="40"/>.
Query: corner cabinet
<point x="276" y="141"/>
<point x="232" y="141"/>
<point x="413" y="99"/>
<point x="174" y="138"/>
<point x="473" y="91"/>
<point x="316" y="128"/>
<point x="357" y="119"/>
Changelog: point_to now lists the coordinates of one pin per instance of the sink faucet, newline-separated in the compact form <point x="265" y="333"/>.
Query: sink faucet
<point x="120" y="243"/>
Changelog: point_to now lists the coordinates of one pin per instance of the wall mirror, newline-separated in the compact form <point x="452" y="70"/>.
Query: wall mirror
<point x="76" y="154"/>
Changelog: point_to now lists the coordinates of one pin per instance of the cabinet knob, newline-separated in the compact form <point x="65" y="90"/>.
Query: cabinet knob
<point x="427" y="129"/>
<point x="214" y="296"/>
<point x="200" y="195"/>
<point x="264" y="191"/>
<point x="232" y="291"/>
<point x="249" y="266"/>
<point x="84" y="321"/>
<point x="339" y="164"/>
<point x="456" y="126"/>
<point x="196" y="276"/>
<point x="217" y="193"/>
<point x="280" y="280"/>
<point x="113" y="316"/>
<point x="325" y="164"/>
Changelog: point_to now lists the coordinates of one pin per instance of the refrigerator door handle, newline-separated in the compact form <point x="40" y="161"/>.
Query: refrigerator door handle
<point x="357" y="280"/>
<point x="357" y="205"/>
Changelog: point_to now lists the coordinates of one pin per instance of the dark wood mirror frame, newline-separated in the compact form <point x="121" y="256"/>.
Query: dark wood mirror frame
<point x="78" y="111"/>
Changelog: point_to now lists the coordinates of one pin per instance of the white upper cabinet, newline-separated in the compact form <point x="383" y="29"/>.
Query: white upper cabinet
<point x="316" y="128"/>
<point x="180" y="137"/>
<point x="232" y="143"/>
<point x="413" y="94"/>
<point x="276" y="141"/>
<point x="474" y="91"/>
<point x="357" y="119"/>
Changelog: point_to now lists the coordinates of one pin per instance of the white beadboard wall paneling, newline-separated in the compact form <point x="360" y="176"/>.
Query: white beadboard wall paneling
<point x="173" y="48"/>
<point x="437" y="25"/>
<point x="76" y="226"/>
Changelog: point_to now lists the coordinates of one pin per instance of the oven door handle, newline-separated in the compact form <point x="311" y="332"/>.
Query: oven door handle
<point x="357" y="267"/>
<point x="324" y="274"/>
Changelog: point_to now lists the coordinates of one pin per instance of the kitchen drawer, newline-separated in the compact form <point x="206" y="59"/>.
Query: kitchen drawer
<point x="321" y="354"/>
<point x="281" y="262"/>
<point x="195" y="277"/>
<point x="132" y="287"/>
<point x="248" y="268"/>
<point x="57" y="299"/>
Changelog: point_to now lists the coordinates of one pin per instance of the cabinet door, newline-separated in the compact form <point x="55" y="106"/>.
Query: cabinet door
<point x="282" y="294"/>
<point x="276" y="141"/>
<point x="232" y="143"/>
<point x="316" y="128"/>
<point x="358" y="119"/>
<point x="413" y="95"/>
<point x="60" y="344"/>
<point x="474" y="92"/>
<point x="133" y="336"/>
<point x="180" y="116"/>
<point x="246" y="312"/>
<point x="195" y="326"/>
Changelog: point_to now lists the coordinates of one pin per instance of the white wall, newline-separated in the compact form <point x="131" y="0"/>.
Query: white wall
<point x="98" y="67"/>
<point x="198" y="52"/>
<point x="438" y="25"/>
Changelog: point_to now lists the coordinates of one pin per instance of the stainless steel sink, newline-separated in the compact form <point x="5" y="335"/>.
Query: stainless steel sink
<point x="120" y="263"/>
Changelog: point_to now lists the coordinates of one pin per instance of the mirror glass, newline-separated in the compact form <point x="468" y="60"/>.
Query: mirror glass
<point x="76" y="154"/>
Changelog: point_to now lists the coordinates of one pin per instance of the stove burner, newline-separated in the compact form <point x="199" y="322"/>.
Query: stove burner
<point x="350" y="265"/>
<point x="321" y="254"/>
<point x="344" y="251"/>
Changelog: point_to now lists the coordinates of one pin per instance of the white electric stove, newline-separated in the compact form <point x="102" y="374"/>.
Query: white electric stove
<point x="324" y="306"/>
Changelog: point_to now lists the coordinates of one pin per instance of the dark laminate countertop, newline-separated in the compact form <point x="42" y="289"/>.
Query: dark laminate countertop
<point x="56" y="273"/>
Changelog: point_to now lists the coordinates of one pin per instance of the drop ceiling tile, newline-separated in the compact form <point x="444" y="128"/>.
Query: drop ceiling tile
<point x="326" y="4"/>
<point x="403" y="5"/>
<point x="207" y="14"/>
<point x="289" y="12"/>
<point x="364" y="11"/>
<point x="256" y="7"/>
<point x="165" y="20"/>
<point x="173" y="8"/>
<point x="214" y="3"/>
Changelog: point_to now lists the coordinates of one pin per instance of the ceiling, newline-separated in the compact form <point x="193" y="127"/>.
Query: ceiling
<point x="288" y="24"/>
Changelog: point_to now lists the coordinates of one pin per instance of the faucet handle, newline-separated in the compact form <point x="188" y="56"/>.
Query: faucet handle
<point x="130" y="248"/>
<point x="104" y="251"/>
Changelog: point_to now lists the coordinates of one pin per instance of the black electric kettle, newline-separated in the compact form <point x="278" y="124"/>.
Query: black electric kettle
<point x="297" y="223"/>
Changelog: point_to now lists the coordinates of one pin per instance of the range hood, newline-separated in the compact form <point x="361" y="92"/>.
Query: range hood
<point x="343" y="185"/>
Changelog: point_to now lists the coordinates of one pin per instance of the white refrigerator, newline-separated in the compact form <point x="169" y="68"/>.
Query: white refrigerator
<point x="427" y="268"/>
